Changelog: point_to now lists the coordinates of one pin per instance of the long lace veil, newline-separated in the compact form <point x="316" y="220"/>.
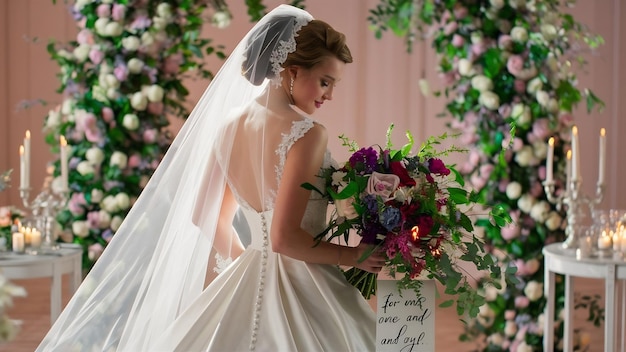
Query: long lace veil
<point x="156" y="264"/>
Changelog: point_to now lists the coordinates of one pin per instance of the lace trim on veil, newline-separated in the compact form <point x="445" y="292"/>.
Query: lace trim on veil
<point x="279" y="55"/>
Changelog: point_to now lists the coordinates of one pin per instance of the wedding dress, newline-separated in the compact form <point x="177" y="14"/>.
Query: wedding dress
<point x="149" y="291"/>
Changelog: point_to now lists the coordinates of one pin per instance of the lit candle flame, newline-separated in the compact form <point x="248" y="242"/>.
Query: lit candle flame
<point x="415" y="233"/>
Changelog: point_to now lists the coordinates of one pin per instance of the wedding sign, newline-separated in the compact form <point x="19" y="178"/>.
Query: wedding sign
<point x="405" y="321"/>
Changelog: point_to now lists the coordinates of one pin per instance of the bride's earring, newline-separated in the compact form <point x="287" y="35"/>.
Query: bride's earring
<point x="291" y="91"/>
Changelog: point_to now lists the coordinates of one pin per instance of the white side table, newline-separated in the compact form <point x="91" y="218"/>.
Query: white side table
<point x="563" y="261"/>
<point x="67" y="260"/>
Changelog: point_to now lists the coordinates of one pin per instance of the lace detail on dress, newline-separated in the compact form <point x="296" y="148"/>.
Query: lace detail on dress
<point x="298" y="129"/>
<point x="279" y="55"/>
<point x="221" y="263"/>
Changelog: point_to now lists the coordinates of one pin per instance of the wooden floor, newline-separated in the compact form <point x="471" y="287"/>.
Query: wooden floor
<point x="34" y="312"/>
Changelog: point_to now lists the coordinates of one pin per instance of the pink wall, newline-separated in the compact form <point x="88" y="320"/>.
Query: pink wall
<point x="379" y="88"/>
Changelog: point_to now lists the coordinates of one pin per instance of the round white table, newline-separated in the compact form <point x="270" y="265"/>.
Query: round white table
<point x="559" y="260"/>
<point x="66" y="260"/>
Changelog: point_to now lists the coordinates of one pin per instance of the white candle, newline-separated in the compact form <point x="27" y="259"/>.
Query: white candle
<point x="22" y="168"/>
<point x="35" y="238"/>
<point x="550" y="160"/>
<point x="63" y="156"/>
<point x="602" y="156"/>
<point x="604" y="241"/>
<point x="27" y="158"/>
<point x="18" y="242"/>
<point x="568" y="170"/>
<point x="575" y="155"/>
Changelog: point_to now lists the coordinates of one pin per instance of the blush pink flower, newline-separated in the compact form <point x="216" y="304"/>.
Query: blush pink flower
<point x="519" y="86"/>
<point x="458" y="41"/>
<point x="515" y="64"/>
<point x="150" y="135"/>
<point x="134" y="161"/>
<point x="107" y="114"/>
<point x="121" y="72"/>
<point x="96" y="56"/>
<point x="103" y="10"/>
<point x="541" y="129"/>
<point x="382" y="185"/>
<point x="118" y="12"/>
<point x="85" y="36"/>
<point x="521" y="302"/>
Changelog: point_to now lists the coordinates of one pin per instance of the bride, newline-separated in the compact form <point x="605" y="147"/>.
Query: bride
<point x="249" y="144"/>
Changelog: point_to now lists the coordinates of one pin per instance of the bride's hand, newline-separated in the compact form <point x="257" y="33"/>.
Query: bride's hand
<point x="373" y="263"/>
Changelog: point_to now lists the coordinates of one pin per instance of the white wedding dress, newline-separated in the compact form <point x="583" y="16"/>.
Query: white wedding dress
<point x="266" y="301"/>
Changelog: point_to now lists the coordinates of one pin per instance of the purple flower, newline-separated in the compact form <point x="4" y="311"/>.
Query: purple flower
<point x="364" y="160"/>
<point x="436" y="166"/>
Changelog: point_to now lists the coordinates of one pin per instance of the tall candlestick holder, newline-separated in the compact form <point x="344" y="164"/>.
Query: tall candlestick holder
<point x="573" y="201"/>
<point x="44" y="208"/>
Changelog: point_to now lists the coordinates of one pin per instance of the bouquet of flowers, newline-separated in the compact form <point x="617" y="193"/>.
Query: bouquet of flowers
<point x="414" y="208"/>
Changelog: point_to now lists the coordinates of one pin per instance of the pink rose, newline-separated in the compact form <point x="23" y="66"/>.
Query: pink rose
<point x="541" y="128"/>
<point x="521" y="302"/>
<point x="383" y="185"/>
<point x="121" y="72"/>
<point x="519" y="86"/>
<point x="134" y="161"/>
<point x="85" y="37"/>
<point x="515" y="64"/>
<point x="509" y="314"/>
<point x="477" y="181"/>
<point x="478" y="49"/>
<point x="96" y="56"/>
<point x="107" y="114"/>
<point x="510" y="232"/>
<point x="103" y="10"/>
<point x="458" y="41"/>
<point x="119" y="12"/>
<point x="75" y="204"/>
<point x="505" y="42"/>
<point x="150" y="135"/>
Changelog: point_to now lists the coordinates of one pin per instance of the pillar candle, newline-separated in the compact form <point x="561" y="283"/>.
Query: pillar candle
<point x="568" y="170"/>
<point x="63" y="157"/>
<point x="27" y="158"/>
<point x="602" y="156"/>
<point x="575" y="155"/>
<point x="18" y="242"/>
<point x="604" y="241"/>
<point x="35" y="238"/>
<point x="550" y="160"/>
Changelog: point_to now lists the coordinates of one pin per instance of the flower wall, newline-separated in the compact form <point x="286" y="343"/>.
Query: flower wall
<point x="507" y="68"/>
<point x="120" y="80"/>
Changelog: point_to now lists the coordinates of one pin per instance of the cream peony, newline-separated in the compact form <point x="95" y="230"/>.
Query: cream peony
<point x="164" y="10"/>
<point x="510" y="328"/>
<point x="548" y="31"/>
<point x="489" y="99"/>
<point x="139" y="101"/>
<point x="123" y="201"/>
<point x="539" y="212"/>
<point x="554" y="221"/>
<point x="465" y="67"/>
<point x="81" y="52"/>
<point x="85" y="168"/>
<point x="54" y="119"/>
<point x="113" y="29"/>
<point x="100" y="25"/>
<point x="130" y="122"/>
<point x="119" y="159"/>
<point x="521" y="113"/>
<point x="513" y="190"/>
<point x="131" y="43"/>
<point x="109" y="204"/>
<point x="482" y="83"/>
<point x="533" y="290"/>
<point x="519" y="34"/>
<point x="525" y="203"/>
<point x="96" y="196"/>
<point x="116" y="222"/>
<point x="95" y="156"/>
<point x="221" y="19"/>
<point x="135" y="65"/>
<point x="543" y="98"/>
<point x="525" y="156"/>
<point x="104" y="219"/>
<point x="80" y="228"/>
<point x="534" y="85"/>
<point x="155" y="93"/>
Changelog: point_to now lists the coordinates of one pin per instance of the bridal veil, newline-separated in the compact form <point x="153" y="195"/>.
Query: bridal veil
<point x="156" y="264"/>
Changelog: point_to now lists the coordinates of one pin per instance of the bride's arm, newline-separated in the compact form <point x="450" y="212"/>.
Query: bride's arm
<point x="302" y="164"/>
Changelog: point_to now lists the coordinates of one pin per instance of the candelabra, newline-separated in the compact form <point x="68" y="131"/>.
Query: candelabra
<point x="45" y="208"/>
<point x="573" y="200"/>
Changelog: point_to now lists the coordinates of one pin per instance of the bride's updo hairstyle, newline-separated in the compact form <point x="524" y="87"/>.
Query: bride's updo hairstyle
<point x="314" y="42"/>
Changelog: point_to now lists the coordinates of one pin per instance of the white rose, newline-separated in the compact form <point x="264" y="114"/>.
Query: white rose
<point x="489" y="99"/>
<point x="111" y="81"/>
<point x="81" y="52"/>
<point x="155" y="93"/>
<point x="523" y="347"/>
<point x="476" y="37"/>
<point x="164" y="10"/>
<point x="491" y="293"/>
<point x="526" y="202"/>
<point x="534" y="85"/>
<point x="57" y="185"/>
<point x="65" y="54"/>
<point x="496" y="339"/>
<point x="116" y="222"/>
<point x="131" y="43"/>
<point x="67" y="107"/>
<point x="109" y="204"/>
<point x="513" y="190"/>
<point x="525" y="156"/>
<point x="553" y="106"/>
<point x="85" y="168"/>
<point x="533" y="290"/>
<point x="54" y="119"/>
<point x="552" y="62"/>
<point x="80" y="228"/>
<point x="135" y="65"/>
<point x="139" y="101"/>
<point x="113" y="29"/>
<point x="95" y="156"/>
<point x="119" y="159"/>
<point x="522" y="114"/>
<point x="519" y="34"/>
<point x="482" y="83"/>
<point x="486" y="315"/>
<point x="100" y="94"/>
<point x="465" y="67"/>
<point x="221" y="19"/>
<point x="105" y="219"/>
<point x="548" y="31"/>
<point x="123" y="201"/>
<point x="510" y="328"/>
<point x="554" y="221"/>
<point x="131" y="122"/>
<point x="101" y="25"/>
<point x="539" y="212"/>
<point x="147" y="39"/>
<point x="96" y="195"/>
<point x="540" y="150"/>
<point x="159" y="23"/>
<point x="497" y="4"/>
<point x="112" y="94"/>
